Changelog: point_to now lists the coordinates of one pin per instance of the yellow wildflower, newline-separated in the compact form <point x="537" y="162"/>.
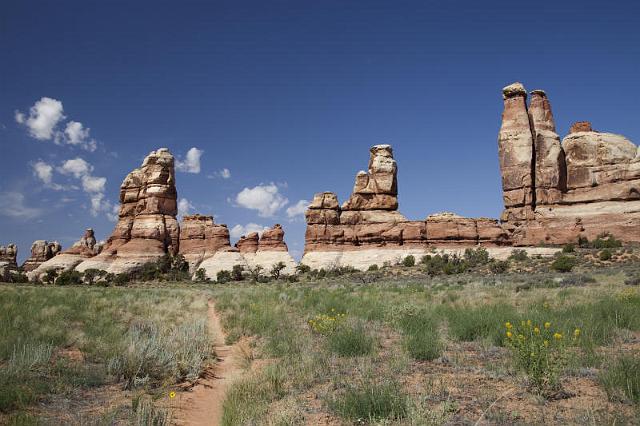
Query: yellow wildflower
<point x="528" y="323"/>
<point x="172" y="394"/>
<point x="557" y="336"/>
<point x="536" y="330"/>
<point x="547" y="325"/>
<point x="508" y="325"/>
<point x="509" y="334"/>
<point x="546" y="343"/>
<point x="576" y="333"/>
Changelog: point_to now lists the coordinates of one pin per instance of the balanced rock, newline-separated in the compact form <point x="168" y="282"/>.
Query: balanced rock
<point x="41" y="251"/>
<point x="376" y="189"/>
<point x="147" y="227"/>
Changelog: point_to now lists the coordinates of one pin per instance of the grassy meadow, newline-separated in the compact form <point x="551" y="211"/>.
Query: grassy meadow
<point x="487" y="343"/>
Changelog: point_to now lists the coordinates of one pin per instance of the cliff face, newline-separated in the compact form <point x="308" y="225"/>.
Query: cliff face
<point x="586" y="185"/>
<point x="147" y="227"/>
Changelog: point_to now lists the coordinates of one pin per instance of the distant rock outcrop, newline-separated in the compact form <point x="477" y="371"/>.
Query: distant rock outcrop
<point x="201" y="238"/>
<point x="8" y="256"/>
<point x="147" y="227"/>
<point x="85" y="248"/>
<point x="41" y="251"/>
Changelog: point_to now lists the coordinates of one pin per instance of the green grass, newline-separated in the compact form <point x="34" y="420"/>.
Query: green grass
<point x="351" y="339"/>
<point x="621" y="379"/>
<point x="370" y="400"/>
<point x="421" y="337"/>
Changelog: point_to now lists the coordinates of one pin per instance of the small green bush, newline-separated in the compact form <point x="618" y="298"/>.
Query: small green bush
<point x="476" y="257"/>
<point x="519" y="255"/>
<point x="564" y="263"/>
<point x="409" y="261"/>
<point x="223" y="276"/>
<point x="301" y="268"/>
<point x="606" y="241"/>
<point x="276" y="270"/>
<point x="69" y="278"/>
<point x="421" y="339"/>
<point x="621" y="380"/>
<point x="372" y="268"/>
<point x="568" y="248"/>
<point x="371" y="401"/>
<point x="499" y="266"/>
<point x="605" y="255"/>
<point x="201" y="275"/>
<point x="237" y="273"/>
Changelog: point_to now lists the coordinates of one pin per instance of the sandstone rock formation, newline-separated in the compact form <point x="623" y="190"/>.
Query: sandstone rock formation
<point x="271" y="250"/>
<point x="41" y="251"/>
<point x="368" y="229"/>
<point x="248" y="243"/>
<point x="8" y="256"/>
<point x="86" y="247"/>
<point x="201" y="238"/>
<point x="147" y="227"/>
<point x="583" y="187"/>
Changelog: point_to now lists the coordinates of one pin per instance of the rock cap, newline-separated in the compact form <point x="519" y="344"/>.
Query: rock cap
<point x="513" y="90"/>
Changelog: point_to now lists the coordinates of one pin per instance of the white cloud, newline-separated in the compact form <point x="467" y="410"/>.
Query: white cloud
<point x="76" y="134"/>
<point x="76" y="167"/>
<point x="297" y="209"/>
<point x="225" y="173"/>
<point x="264" y="198"/>
<point x="191" y="164"/>
<point x="93" y="184"/>
<point x="240" y="230"/>
<point x="184" y="207"/>
<point x="43" y="118"/>
<point x="43" y="171"/>
<point x="13" y="205"/>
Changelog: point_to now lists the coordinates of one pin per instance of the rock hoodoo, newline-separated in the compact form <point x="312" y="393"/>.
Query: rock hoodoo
<point x="8" y="256"/>
<point x="41" y="251"/>
<point x="248" y="243"/>
<point x="86" y="247"/>
<point x="201" y="238"/>
<point x="147" y="227"/>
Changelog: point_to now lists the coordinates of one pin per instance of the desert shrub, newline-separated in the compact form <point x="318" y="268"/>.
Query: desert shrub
<point x="145" y="413"/>
<point x="18" y="277"/>
<point x="372" y="268"/>
<point x="605" y="255"/>
<point x="606" y="241"/>
<point x="519" y="255"/>
<point x="370" y="400"/>
<point x="476" y="257"/>
<point x="201" y="275"/>
<point x="322" y="273"/>
<point x="276" y="270"/>
<point x="292" y="278"/>
<point x="634" y="280"/>
<point x="69" y="278"/>
<point x="50" y="276"/>
<point x="540" y="352"/>
<point x="444" y="264"/>
<point x="121" y="279"/>
<point x="223" y="276"/>
<point x="301" y="268"/>
<point x="256" y="273"/>
<point x="409" y="261"/>
<point x="583" y="242"/>
<point x="499" y="266"/>
<point x="237" y="273"/>
<point x="621" y="380"/>
<point x="156" y="354"/>
<point x="350" y="339"/>
<point x="564" y="263"/>
<point x="577" y="280"/>
<point x="91" y="275"/>
<point x="568" y="248"/>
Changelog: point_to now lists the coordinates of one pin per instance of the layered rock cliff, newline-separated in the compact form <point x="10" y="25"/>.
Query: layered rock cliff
<point x="147" y="227"/>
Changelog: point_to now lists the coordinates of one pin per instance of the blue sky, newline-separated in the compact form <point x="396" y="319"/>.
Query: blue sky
<point x="287" y="96"/>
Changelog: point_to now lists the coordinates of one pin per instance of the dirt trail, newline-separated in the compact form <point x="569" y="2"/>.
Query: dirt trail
<point x="202" y="405"/>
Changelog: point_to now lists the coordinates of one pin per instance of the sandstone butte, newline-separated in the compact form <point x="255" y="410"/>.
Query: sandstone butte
<point x="554" y="192"/>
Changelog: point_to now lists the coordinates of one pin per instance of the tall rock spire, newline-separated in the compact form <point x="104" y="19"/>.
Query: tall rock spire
<point x="516" y="152"/>
<point x="550" y="166"/>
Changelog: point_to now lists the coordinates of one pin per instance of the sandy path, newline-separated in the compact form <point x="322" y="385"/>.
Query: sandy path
<point x="202" y="405"/>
